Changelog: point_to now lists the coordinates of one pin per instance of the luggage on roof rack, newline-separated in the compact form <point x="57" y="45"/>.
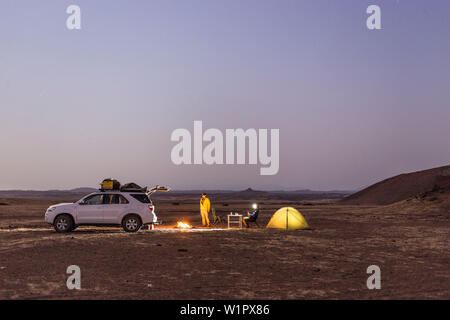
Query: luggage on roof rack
<point x="109" y="184"/>
<point x="132" y="187"/>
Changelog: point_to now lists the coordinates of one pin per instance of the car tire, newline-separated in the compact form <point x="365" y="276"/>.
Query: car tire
<point x="131" y="223"/>
<point x="63" y="223"/>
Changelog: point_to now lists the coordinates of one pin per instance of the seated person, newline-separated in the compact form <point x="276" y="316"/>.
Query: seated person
<point x="216" y="218"/>
<point x="251" y="217"/>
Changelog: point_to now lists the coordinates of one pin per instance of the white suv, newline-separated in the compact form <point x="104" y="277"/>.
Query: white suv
<point x="130" y="210"/>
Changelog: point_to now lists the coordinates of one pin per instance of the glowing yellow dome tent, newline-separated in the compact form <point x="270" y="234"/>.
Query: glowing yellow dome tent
<point x="287" y="218"/>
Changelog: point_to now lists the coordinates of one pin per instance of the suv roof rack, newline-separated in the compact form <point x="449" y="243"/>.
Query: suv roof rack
<point x="132" y="187"/>
<point x="112" y="185"/>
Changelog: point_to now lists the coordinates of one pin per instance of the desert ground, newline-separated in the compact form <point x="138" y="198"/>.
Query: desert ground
<point x="408" y="240"/>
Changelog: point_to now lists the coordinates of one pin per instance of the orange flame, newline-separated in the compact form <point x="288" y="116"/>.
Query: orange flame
<point x="183" y="225"/>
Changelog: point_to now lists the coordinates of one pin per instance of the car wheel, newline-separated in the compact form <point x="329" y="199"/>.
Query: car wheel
<point x="131" y="223"/>
<point x="63" y="223"/>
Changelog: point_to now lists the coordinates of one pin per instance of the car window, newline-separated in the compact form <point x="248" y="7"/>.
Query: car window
<point x="141" y="197"/>
<point x="112" y="199"/>
<point x="106" y="198"/>
<point x="94" y="200"/>
<point x="119" y="199"/>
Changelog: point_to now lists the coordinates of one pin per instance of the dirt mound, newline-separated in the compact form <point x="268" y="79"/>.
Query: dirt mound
<point x="405" y="186"/>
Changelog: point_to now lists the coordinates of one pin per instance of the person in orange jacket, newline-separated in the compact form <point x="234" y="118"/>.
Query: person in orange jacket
<point x="205" y="206"/>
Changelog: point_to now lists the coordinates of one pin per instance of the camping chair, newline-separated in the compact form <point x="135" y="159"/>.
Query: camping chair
<point x="251" y="219"/>
<point x="216" y="218"/>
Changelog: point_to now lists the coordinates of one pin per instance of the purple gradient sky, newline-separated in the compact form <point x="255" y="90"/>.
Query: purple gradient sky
<point x="353" y="106"/>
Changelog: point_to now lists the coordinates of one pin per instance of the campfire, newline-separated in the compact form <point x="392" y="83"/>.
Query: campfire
<point x="183" y="225"/>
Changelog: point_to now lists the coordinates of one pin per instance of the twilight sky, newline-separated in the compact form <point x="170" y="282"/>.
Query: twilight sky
<point x="353" y="106"/>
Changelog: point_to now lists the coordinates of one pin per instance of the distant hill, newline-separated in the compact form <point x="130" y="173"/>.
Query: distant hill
<point x="403" y="187"/>
<point x="83" y="190"/>
<point x="250" y="194"/>
<point x="73" y="194"/>
<point x="228" y="195"/>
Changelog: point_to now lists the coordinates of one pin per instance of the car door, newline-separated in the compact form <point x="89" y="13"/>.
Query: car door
<point x="114" y="206"/>
<point x="90" y="211"/>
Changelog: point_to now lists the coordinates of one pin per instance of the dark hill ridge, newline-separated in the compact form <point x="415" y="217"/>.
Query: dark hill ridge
<point x="74" y="194"/>
<point x="181" y="195"/>
<point x="402" y="187"/>
<point x="252" y="195"/>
